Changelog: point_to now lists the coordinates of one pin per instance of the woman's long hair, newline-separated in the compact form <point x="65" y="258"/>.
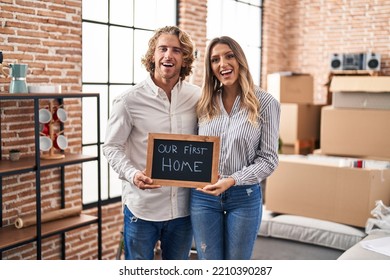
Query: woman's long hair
<point x="208" y="104"/>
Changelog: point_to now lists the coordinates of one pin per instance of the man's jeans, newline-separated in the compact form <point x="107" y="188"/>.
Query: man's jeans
<point x="226" y="226"/>
<point x="140" y="238"/>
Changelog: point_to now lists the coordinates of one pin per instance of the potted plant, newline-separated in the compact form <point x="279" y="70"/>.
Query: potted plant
<point x="14" y="154"/>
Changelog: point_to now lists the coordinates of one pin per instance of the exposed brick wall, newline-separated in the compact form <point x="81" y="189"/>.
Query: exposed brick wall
<point x="298" y="36"/>
<point x="274" y="54"/>
<point x="192" y="19"/>
<point x="46" y="35"/>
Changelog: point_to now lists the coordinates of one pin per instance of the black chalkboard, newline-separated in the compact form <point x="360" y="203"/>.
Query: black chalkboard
<point x="182" y="160"/>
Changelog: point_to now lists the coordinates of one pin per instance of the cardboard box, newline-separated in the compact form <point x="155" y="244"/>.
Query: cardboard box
<point x="288" y="149"/>
<point x="301" y="147"/>
<point x="355" y="132"/>
<point x="287" y="87"/>
<point x="360" y="84"/>
<point x="368" y="92"/>
<point x="361" y="100"/>
<point x="299" y="122"/>
<point x="326" y="191"/>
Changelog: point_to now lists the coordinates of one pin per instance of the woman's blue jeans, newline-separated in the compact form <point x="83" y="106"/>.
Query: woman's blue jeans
<point x="225" y="226"/>
<point x="140" y="238"/>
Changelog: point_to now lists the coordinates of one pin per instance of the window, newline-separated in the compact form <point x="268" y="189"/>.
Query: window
<point x="241" y="20"/>
<point x="115" y="36"/>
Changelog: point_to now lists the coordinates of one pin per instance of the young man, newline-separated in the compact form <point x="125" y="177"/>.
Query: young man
<point x="163" y="103"/>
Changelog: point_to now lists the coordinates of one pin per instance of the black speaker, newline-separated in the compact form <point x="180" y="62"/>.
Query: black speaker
<point x="353" y="61"/>
<point x="372" y="61"/>
<point x="336" y="61"/>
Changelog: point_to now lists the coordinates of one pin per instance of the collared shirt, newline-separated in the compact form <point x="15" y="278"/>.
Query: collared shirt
<point x="144" y="109"/>
<point x="248" y="154"/>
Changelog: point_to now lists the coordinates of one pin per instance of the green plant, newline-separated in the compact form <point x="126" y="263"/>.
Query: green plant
<point x="280" y="145"/>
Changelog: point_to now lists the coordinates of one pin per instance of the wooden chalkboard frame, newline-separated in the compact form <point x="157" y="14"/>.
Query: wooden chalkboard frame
<point x="214" y="140"/>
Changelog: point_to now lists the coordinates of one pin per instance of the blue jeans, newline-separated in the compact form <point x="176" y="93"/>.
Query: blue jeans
<point x="140" y="238"/>
<point x="225" y="226"/>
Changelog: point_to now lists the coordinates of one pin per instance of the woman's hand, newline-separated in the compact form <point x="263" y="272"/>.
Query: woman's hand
<point x="219" y="187"/>
<point x="144" y="182"/>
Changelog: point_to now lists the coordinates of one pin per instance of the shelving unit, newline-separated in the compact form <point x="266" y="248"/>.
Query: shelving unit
<point x="10" y="236"/>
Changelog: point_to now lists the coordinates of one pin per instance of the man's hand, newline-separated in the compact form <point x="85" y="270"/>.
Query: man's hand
<point x="144" y="182"/>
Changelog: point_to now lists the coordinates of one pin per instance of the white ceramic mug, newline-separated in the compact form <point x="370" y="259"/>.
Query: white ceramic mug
<point x="60" y="115"/>
<point x="44" y="116"/>
<point x="60" y="142"/>
<point x="45" y="143"/>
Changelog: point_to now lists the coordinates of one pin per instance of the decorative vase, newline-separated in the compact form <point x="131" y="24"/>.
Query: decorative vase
<point x="14" y="155"/>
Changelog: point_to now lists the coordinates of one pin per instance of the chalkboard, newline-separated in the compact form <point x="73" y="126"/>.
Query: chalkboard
<point x="182" y="160"/>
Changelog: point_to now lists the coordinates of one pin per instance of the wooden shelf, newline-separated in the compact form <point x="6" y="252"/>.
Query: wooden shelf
<point x="8" y="167"/>
<point x="10" y="235"/>
<point x="10" y="96"/>
<point x="355" y="72"/>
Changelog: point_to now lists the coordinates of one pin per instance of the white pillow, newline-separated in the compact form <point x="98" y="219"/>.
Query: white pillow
<point x="314" y="231"/>
<point x="265" y="223"/>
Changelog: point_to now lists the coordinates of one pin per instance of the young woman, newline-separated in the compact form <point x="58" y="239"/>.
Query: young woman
<point x="226" y="215"/>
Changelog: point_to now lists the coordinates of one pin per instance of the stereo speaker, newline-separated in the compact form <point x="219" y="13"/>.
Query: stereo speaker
<point x="336" y="61"/>
<point x="372" y="61"/>
<point x="353" y="61"/>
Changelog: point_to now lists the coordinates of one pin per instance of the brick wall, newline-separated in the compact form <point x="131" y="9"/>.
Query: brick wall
<point x="298" y="36"/>
<point x="193" y="20"/>
<point x="46" y="35"/>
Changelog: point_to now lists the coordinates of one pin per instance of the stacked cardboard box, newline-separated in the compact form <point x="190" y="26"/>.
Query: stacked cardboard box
<point x="340" y="184"/>
<point x="300" y="116"/>
<point x="361" y="92"/>
<point x="328" y="188"/>
<point x="357" y="122"/>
